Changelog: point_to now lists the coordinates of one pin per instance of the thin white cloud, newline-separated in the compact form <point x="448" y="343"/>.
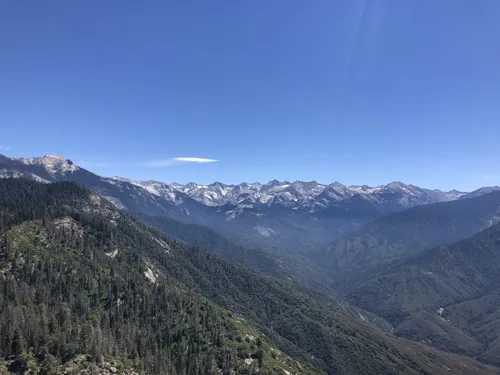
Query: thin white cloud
<point x="196" y="160"/>
<point x="176" y="161"/>
<point x="6" y="148"/>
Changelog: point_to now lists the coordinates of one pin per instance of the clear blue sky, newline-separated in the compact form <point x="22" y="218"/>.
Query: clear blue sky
<point x="355" y="91"/>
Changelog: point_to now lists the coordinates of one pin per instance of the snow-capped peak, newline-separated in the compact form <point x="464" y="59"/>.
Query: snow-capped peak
<point x="309" y="195"/>
<point x="253" y="198"/>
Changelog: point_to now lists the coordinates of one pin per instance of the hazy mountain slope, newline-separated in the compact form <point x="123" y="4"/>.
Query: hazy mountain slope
<point x="206" y="237"/>
<point x="480" y="191"/>
<point x="431" y="328"/>
<point x="366" y="202"/>
<point x="406" y="234"/>
<point x="457" y="285"/>
<point x="72" y="257"/>
<point x="292" y="267"/>
<point x="481" y="318"/>
<point x="441" y="276"/>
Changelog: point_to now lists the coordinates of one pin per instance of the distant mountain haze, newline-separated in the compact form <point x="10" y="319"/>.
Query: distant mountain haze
<point x="447" y="297"/>
<point x="403" y="235"/>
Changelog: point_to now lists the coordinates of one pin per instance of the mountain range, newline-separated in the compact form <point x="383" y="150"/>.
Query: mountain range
<point x="308" y="196"/>
<point x="89" y="289"/>
<point x="293" y="216"/>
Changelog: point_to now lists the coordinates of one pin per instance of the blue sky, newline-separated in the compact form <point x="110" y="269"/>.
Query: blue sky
<point x="355" y="91"/>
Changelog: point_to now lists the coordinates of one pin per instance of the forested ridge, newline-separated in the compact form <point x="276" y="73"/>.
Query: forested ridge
<point x="64" y="292"/>
<point x="79" y="278"/>
<point x="206" y="237"/>
<point x="447" y="296"/>
<point x="391" y="240"/>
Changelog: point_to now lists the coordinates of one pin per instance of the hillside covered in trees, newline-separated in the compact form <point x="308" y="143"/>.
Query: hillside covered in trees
<point x="71" y="286"/>
<point x="83" y="285"/>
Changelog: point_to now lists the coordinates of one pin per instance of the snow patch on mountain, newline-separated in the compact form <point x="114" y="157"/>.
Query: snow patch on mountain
<point x="4" y="173"/>
<point x="266" y="232"/>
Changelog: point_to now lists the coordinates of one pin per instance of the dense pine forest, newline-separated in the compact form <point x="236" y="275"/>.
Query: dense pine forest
<point x="84" y="286"/>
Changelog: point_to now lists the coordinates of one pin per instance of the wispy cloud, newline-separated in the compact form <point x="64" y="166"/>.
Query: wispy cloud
<point x="196" y="160"/>
<point x="176" y="161"/>
<point x="4" y="148"/>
